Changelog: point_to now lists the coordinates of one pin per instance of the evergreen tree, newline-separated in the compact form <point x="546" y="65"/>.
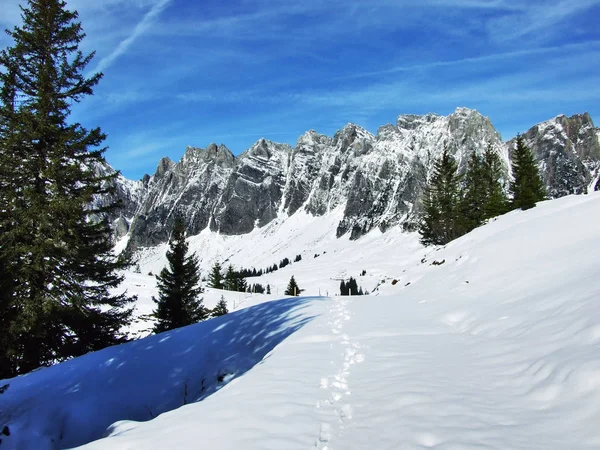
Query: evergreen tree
<point x="344" y="290"/>
<point x="9" y="312"/>
<point x="230" y="281"/>
<point x="292" y="288"/>
<point x="352" y="286"/>
<point x="55" y="242"/>
<point x="240" y="284"/>
<point x="268" y="289"/>
<point x="473" y="194"/>
<point x="527" y="187"/>
<point x="441" y="222"/>
<point x="215" y="279"/>
<point x="178" y="303"/>
<point x="495" y="202"/>
<point x="220" y="309"/>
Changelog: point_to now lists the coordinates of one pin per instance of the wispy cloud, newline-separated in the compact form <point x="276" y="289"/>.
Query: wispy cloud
<point x="141" y="27"/>
<point x="539" y="21"/>
<point x="487" y="58"/>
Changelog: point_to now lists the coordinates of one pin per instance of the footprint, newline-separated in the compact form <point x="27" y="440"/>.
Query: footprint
<point x="346" y="412"/>
<point x="325" y="432"/>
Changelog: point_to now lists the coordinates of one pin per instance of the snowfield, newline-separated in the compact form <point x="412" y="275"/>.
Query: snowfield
<point x="491" y="342"/>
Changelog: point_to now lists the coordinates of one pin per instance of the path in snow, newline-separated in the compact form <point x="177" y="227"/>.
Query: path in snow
<point x="336" y="410"/>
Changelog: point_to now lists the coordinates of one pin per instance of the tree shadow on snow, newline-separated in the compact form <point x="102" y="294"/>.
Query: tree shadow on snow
<point x="75" y="402"/>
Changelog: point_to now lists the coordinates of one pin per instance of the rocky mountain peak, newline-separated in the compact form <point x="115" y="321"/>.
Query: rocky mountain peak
<point x="310" y="140"/>
<point x="266" y="149"/>
<point x="164" y="165"/>
<point x="567" y="150"/>
<point x="376" y="180"/>
<point x="414" y="121"/>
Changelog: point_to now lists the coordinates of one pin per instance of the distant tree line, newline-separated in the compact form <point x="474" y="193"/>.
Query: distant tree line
<point x="455" y="204"/>
<point x="350" y="287"/>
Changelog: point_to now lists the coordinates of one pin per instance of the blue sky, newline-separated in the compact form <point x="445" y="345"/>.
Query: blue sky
<point x="182" y="72"/>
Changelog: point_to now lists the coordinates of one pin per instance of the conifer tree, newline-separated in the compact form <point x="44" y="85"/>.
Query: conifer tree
<point x="178" y="303"/>
<point x="292" y="288"/>
<point x="215" y="279"/>
<point x="230" y="281"/>
<point x="268" y="289"/>
<point x="473" y="194"/>
<point x="54" y="239"/>
<point x="495" y="202"/>
<point x="220" y="309"/>
<point x="527" y="187"/>
<point x="344" y="290"/>
<point x="441" y="223"/>
<point x="9" y="311"/>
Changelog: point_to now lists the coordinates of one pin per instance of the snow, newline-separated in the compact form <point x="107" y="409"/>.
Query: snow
<point x="495" y="346"/>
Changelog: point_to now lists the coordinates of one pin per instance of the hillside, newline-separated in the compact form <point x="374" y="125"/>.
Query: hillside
<point x="490" y="342"/>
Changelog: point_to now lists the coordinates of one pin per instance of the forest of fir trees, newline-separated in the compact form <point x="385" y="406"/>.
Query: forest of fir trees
<point x="454" y="204"/>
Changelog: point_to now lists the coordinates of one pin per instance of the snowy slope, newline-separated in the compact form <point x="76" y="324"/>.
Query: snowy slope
<point x="492" y="342"/>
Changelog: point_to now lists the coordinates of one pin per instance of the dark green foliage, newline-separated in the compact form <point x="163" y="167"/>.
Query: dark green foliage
<point x="350" y="287"/>
<point x="473" y="194"/>
<point x="257" y="288"/>
<point x="454" y="205"/>
<point x="495" y="202"/>
<point x="284" y="262"/>
<point x="298" y="258"/>
<point x="273" y="268"/>
<point x="292" y="288"/>
<point x="234" y="281"/>
<point x="215" y="279"/>
<point x="58" y="267"/>
<point x="527" y="187"/>
<point x="482" y="193"/>
<point x="9" y="313"/>
<point x="220" y="309"/>
<point x="178" y="302"/>
<point x="441" y="220"/>
<point x="268" y="289"/>
<point x="229" y="282"/>
<point x="344" y="288"/>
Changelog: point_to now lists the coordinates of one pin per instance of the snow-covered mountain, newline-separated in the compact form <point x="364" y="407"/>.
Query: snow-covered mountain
<point x="490" y="342"/>
<point x="376" y="179"/>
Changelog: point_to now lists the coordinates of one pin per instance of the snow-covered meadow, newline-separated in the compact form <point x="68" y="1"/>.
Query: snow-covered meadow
<point x="492" y="342"/>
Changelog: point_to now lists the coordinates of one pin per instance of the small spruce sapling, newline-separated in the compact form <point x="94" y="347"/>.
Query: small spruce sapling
<point x="221" y="308"/>
<point x="292" y="288"/>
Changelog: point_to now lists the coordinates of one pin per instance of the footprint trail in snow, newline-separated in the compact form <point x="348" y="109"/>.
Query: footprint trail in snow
<point x="336" y="409"/>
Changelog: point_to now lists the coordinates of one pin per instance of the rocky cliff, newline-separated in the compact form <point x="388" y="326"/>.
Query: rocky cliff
<point x="376" y="179"/>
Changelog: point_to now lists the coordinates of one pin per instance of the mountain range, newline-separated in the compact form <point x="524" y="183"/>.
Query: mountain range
<point x="377" y="179"/>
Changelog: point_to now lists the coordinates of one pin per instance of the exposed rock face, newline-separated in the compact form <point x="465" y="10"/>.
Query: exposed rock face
<point x="567" y="150"/>
<point x="254" y="189"/>
<point x="376" y="179"/>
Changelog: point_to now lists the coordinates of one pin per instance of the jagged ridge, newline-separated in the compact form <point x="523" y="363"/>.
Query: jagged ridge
<point x="377" y="179"/>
